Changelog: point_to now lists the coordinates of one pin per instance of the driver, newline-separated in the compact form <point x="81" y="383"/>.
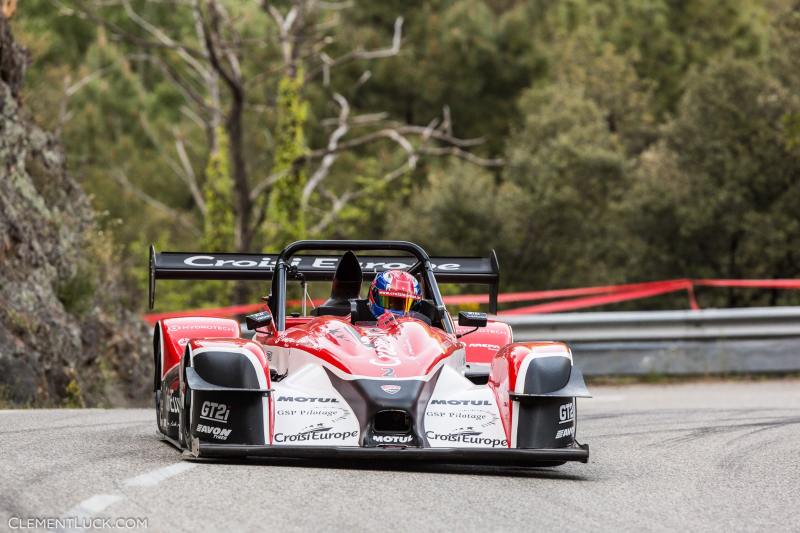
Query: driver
<point x="393" y="291"/>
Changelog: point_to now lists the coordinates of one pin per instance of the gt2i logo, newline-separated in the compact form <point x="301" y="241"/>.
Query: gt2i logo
<point x="217" y="433"/>
<point x="566" y="432"/>
<point x="392" y="439"/>
<point x="566" y="413"/>
<point x="218" y="412"/>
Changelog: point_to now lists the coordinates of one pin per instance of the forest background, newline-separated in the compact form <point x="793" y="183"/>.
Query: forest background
<point x="588" y="142"/>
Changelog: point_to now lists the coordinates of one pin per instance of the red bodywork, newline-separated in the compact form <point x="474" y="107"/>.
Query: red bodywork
<point x="402" y="347"/>
<point x="396" y="347"/>
<point x="483" y="344"/>
<point x="505" y="369"/>
<point x="177" y="332"/>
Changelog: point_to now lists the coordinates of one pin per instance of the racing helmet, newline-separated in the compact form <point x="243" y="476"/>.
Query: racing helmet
<point x="394" y="291"/>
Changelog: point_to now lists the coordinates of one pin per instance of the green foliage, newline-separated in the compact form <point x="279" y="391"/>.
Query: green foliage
<point x="73" y="396"/>
<point x="286" y="218"/>
<point x="718" y="196"/>
<point x="77" y="293"/>
<point x="218" y="194"/>
<point x="644" y="139"/>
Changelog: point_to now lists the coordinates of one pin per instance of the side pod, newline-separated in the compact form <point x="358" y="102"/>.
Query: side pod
<point x="225" y="394"/>
<point x="537" y="384"/>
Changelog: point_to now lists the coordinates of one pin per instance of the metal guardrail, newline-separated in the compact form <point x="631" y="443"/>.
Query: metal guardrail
<point x="745" y="323"/>
<point x="709" y="341"/>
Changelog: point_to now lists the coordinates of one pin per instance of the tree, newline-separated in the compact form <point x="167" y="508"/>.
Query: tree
<point x="718" y="197"/>
<point x="219" y="68"/>
<point x="571" y="170"/>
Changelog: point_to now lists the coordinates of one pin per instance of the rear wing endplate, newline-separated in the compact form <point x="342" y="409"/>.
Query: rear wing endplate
<point x="249" y="266"/>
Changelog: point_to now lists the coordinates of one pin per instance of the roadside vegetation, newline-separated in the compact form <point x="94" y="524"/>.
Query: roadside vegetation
<point x="588" y="141"/>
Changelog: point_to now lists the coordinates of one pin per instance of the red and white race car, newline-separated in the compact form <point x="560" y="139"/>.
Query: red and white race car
<point x="336" y="382"/>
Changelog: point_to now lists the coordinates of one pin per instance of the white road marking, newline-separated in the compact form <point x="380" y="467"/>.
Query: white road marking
<point x="89" y="508"/>
<point x="99" y="502"/>
<point x="154" y="477"/>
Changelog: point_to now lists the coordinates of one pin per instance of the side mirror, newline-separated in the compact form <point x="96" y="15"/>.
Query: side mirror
<point x="258" y="320"/>
<point x="472" y="319"/>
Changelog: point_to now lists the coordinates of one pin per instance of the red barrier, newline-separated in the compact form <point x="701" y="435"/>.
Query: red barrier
<point x="645" y="290"/>
<point x="750" y="283"/>
<point x="567" y="299"/>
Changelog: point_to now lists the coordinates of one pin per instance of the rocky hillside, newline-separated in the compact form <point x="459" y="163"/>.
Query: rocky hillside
<point x="64" y="337"/>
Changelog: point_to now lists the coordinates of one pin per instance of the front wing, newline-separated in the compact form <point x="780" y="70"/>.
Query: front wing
<point x="471" y="456"/>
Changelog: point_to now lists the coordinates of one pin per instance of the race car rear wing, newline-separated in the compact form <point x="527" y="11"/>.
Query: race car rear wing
<point x="250" y="266"/>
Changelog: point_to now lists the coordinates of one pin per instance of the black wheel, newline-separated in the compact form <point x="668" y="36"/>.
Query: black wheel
<point x="184" y="412"/>
<point x="157" y="395"/>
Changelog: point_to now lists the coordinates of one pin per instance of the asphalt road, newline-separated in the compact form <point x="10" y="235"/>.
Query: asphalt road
<point x="699" y="457"/>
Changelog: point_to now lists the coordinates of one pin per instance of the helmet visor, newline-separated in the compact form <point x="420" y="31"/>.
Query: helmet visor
<point x="395" y="302"/>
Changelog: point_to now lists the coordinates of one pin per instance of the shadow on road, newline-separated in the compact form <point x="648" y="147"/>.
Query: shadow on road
<point x="393" y="466"/>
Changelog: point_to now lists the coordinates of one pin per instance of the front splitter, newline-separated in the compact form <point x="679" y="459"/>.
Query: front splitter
<point x="471" y="456"/>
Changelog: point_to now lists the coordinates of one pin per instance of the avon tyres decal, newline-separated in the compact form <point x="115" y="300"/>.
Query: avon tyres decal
<point x="217" y="433"/>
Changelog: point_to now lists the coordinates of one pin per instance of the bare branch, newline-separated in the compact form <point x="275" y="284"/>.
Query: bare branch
<point x="166" y="40"/>
<point x="340" y="202"/>
<point x="120" y="177"/>
<point x="358" y="120"/>
<point x="336" y="6"/>
<point x="194" y="117"/>
<point x="266" y="183"/>
<point x="189" y="93"/>
<point x="78" y="10"/>
<point x="78" y="85"/>
<point x="211" y="34"/>
<point x="285" y="25"/>
<point x="462" y="154"/>
<point x="188" y="174"/>
<point x="385" y="52"/>
<point x="327" y="161"/>
<point x="381" y="53"/>
<point x="389" y="133"/>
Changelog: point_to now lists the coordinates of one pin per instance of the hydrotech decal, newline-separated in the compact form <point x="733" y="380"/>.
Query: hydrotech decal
<point x="467" y="436"/>
<point x="309" y="399"/>
<point x="215" y="327"/>
<point x="217" y="433"/>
